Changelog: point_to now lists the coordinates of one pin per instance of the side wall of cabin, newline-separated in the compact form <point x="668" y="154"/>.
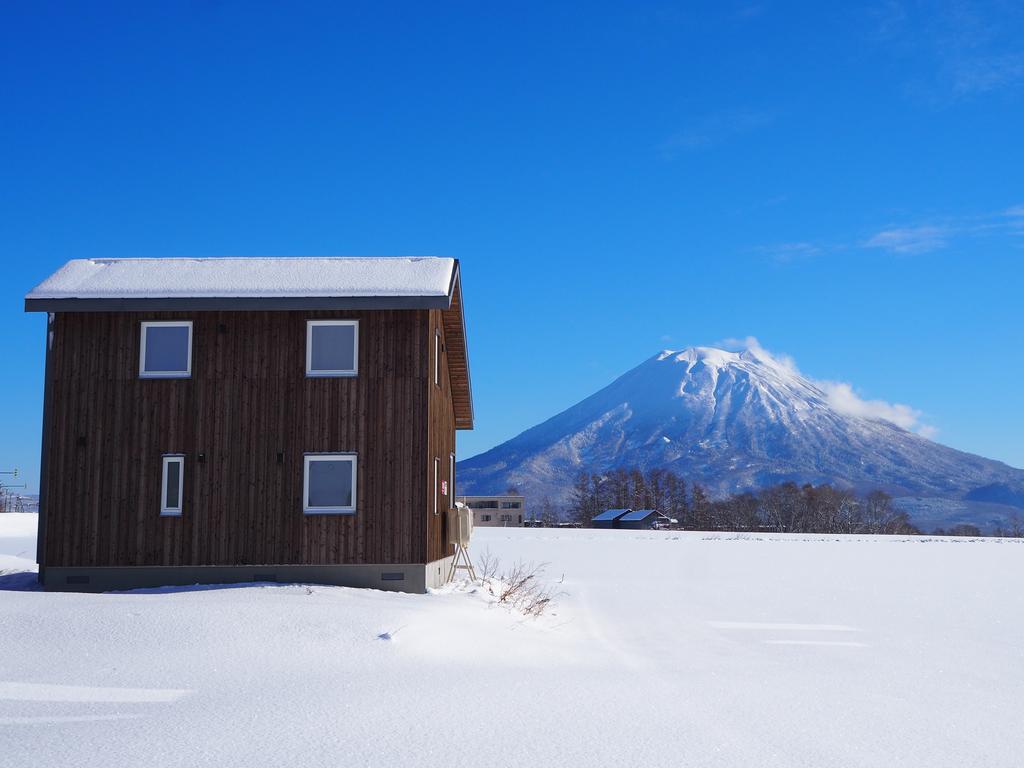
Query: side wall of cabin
<point x="440" y="442"/>
<point x="243" y="421"/>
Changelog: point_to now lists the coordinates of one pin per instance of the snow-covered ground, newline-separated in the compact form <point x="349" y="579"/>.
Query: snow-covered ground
<point x="665" y="650"/>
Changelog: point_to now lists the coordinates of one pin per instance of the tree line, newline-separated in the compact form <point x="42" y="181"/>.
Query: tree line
<point x="784" y="508"/>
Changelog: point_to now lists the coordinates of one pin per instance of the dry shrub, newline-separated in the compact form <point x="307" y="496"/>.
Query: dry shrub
<point x="521" y="587"/>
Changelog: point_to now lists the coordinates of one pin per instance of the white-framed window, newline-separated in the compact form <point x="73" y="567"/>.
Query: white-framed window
<point x="165" y="350"/>
<point x="437" y="481"/>
<point x="451" y="480"/>
<point x="332" y="347"/>
<point x="172" y="484"/>
<point x="437" y="357"/>
<point x="329" y="484"/>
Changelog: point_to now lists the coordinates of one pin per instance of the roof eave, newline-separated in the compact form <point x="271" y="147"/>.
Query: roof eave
<point x="233" y="303"/>
<point x="463" y="421"/>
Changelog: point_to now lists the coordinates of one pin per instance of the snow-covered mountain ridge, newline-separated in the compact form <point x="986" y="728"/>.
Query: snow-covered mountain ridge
<point x="734" y="421"/>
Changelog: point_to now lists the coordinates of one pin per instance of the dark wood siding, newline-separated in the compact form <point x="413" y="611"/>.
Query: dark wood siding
<point x="247" y="402"/>
<point x="440" y="441"/>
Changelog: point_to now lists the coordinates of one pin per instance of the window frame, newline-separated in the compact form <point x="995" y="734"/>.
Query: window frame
<point x="339" y="456"/>
<point x="329" y="374"/>
<point x="451" y="480"/>
<point x="437" y="483"/>
<point x="437" y="357"/>
<point x="143" y="333"/>
<point x="167" y="459"/>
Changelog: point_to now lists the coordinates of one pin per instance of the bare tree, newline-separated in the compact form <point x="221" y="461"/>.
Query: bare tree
<point x="582" y="503"/>
<point x="675" y="498"/>
<point x="548" y="515"/>
<point x="618" y="489"/>
<point x="699" y="517"/>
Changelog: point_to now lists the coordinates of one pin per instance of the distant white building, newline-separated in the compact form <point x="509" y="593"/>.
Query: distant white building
<point x="496" y="511"/>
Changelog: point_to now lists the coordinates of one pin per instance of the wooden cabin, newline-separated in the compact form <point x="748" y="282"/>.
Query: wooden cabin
<point x="236" y="420"/>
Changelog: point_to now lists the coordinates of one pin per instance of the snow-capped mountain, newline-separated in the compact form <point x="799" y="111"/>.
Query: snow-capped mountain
<point x="733" y="421"/>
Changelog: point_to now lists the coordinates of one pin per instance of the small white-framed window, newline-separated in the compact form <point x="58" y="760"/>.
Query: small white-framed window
<point x="437" y="481"/>
<point x="437" y="357"/>
<point x="329" y="484"/>
<point x="165" y="350"/>
<point x="172" y="485"/>
<point x="451" y="479"/>
<point x="332" y="347"/>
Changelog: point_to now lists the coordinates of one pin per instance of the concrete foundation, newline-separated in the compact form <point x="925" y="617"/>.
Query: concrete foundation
<point x="416" y="578"/>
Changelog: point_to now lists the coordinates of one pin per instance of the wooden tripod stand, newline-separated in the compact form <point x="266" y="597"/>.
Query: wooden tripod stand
<point x="461" y="562"/>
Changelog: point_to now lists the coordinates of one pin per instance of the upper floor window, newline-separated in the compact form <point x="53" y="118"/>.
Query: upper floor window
<point x="165" y="351"/>
<point x="511" y="504"/>
<point x="332" y="347"/>
<point x="329" y="483"/>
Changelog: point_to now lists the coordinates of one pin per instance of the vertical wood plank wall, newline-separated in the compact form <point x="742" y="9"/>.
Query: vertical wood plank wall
<point x="441" y="443"/>
<point x="247" y="401"/>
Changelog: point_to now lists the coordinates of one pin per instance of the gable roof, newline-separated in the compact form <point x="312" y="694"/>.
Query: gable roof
<point x="247" y="283"/>
<point x="289" y="283"/>
<point x="610" y="514"/>
<point x="642" y="514"/>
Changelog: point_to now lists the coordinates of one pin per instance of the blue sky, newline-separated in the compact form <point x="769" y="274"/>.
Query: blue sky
<point x="842" y="182"/>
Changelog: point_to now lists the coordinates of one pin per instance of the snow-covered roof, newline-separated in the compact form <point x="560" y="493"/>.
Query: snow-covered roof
<point x="371" y="282"/>
<point x="611" y="514"/>
<point x="641" y="514"/>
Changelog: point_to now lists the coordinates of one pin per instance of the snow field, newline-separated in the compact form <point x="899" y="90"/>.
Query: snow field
<point x="664" y="649"/>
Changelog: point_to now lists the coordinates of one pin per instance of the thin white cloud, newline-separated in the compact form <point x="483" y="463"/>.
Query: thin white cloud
<point x="1015" y="218"/>
<point x="840" y="394"/>
<point x="910" y="239"/>
<point x="987" y="73"/>
<point x="844" y="399"/>
<point x="713" y="129"/>
<point x="951" y="49"/>
<point x="784" y="253"/>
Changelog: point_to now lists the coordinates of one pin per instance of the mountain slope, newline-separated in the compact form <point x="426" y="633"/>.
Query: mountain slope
<point x="732" y="421"/>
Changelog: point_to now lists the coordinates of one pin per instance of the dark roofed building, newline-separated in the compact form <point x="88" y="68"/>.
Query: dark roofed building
<point x="609" y="518"/>
<point x="644" y="519"/>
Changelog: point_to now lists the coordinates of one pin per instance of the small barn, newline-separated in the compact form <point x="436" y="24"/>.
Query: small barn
<point x="609" y="518"/>
<point x="644" y="519"/>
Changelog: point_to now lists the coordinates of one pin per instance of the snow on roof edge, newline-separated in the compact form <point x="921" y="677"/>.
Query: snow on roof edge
<point x="249" y="277"/>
